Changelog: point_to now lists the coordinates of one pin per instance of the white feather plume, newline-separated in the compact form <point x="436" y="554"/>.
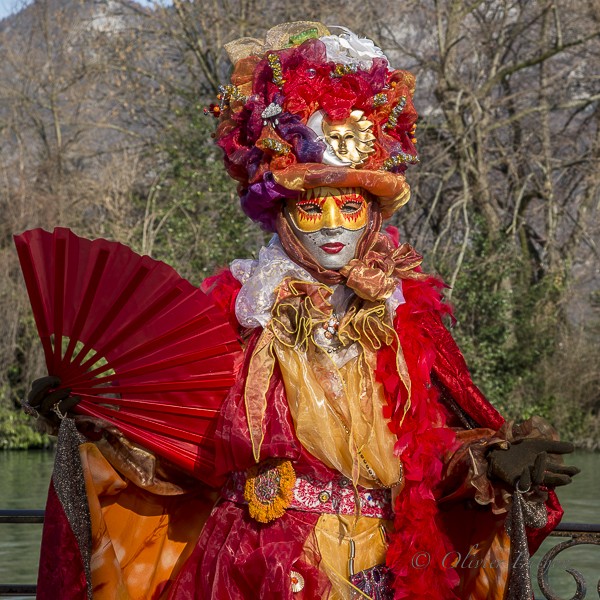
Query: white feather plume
<point x="347" y="48"/>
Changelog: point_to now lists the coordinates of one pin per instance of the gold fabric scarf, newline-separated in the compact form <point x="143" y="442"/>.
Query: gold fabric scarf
<point x="300" y="308"/>
<point x="375" y="276"/>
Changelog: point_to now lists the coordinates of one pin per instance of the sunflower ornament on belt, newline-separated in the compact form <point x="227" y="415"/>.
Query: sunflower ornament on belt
<point x="269" y="489"/>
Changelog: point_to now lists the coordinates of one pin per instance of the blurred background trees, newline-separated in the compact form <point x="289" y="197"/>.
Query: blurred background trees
<point x="102" y="130"/>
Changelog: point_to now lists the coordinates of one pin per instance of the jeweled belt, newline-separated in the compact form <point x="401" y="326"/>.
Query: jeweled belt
<point x="310" y="494"/>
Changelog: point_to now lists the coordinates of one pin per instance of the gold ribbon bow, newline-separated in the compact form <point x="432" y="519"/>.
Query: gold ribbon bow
<point x="299" y="307"/>
<point x="365" y="322"/>
<point x="376" y="275"/>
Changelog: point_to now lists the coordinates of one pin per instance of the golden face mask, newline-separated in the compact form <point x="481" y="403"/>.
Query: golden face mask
<point x="350" y="140"/>
<point x="329" y="208"/>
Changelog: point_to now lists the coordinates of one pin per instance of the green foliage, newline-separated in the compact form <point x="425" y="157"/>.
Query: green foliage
<point x="17" y="432"/>
<point x="520" y="349"/>
<point x="204" y="227"/>
<point x="482" y="309"/>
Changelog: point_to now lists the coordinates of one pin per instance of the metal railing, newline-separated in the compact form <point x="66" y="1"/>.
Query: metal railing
<point x="20" y="516"/>
<point x="579" y="534"/>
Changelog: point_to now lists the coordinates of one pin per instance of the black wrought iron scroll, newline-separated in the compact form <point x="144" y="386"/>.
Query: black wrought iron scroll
<point x="579" y="534"/>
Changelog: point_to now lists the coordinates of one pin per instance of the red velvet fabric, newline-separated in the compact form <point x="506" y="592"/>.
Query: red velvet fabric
<point x="451" y="371"/>
<point x="234" y="449"/>
<point x="223" y="289"/>
<point x="555" y="513"/>
<point x="63" y="578"/>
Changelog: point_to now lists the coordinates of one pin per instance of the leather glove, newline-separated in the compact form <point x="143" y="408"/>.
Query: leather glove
<point x="527" y="463"/>
<point x="49" y="402"/>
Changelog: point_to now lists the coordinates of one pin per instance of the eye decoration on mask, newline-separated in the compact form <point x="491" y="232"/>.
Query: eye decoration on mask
<point x="329" y="208"/>
<point x="354" y="209"/>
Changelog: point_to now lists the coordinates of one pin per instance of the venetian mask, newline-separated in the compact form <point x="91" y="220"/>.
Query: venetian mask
<point x="329" y="223"/>
<point x="349" y="142"/>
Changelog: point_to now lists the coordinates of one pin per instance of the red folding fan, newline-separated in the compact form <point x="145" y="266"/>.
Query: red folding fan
<point x="144" y="349"/>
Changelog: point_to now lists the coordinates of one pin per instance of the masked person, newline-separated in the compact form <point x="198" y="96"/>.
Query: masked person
<point x="356" y="457"/>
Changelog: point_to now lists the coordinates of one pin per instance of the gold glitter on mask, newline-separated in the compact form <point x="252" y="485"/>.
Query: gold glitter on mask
<point x="329" y="208"/>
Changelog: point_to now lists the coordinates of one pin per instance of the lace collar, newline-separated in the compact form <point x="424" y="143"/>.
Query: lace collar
<point x="261" y="277"/>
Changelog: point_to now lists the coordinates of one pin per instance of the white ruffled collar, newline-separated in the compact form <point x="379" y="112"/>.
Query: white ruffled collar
<point x="260" y="278"/>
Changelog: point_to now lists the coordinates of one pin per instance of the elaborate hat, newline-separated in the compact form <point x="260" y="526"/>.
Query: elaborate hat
<point x="305" y="109"/>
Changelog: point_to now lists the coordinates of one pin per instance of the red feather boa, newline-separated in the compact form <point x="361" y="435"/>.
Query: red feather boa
<point x="418" y="546"/>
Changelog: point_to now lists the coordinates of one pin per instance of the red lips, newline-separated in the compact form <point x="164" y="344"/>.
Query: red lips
<point x="333" y="248"/>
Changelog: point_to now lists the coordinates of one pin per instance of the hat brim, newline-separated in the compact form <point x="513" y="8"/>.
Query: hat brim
<point x="391" y="189"/>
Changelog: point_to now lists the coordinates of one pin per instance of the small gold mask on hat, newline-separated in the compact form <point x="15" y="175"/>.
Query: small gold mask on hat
<point x="351" y="140"/>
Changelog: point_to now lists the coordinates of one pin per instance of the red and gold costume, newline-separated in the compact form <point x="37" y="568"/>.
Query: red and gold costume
<point x="350" y="452"/>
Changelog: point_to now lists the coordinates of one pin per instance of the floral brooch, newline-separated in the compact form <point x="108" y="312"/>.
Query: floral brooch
<point x="269" y="489"/>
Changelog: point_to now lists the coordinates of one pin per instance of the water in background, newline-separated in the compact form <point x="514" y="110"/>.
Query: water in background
<point x="25" y="476"/>
<point x="581" y="502"/>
